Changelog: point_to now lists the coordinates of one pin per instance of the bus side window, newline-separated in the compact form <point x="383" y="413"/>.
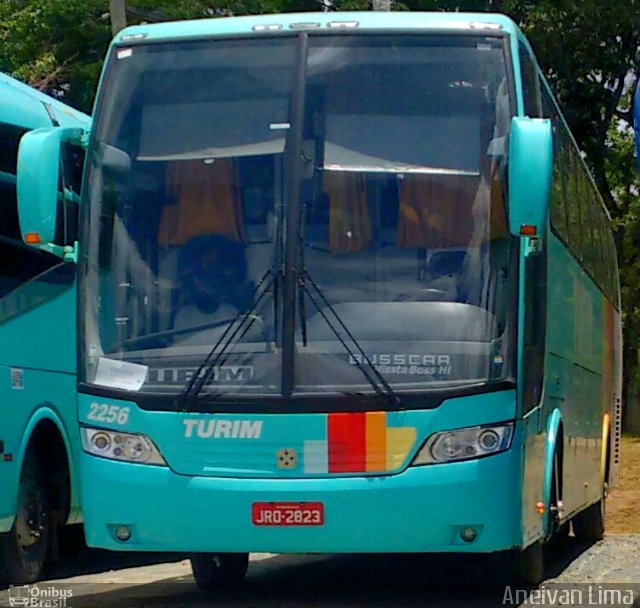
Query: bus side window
<point x="597" y="221"/>
<point x="9" y="140"/>
<point x="534" y="327"/>
<point x="572" y="201"/>
<point x="530" y="91"/>
<point x="610" y="248"/>
<point x="70" y="181"/>
<point x="586" y="224"/>
<point x="557" y="210"/>
<point x="19" y="263"/>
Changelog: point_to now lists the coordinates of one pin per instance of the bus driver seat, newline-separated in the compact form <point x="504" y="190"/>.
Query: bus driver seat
<point x="213" y="287"/>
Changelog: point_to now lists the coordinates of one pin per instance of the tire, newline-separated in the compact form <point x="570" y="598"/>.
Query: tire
<point x="24" y="549"/>
<point x="219" y="570"/>
<point x="557" y="532"/>
<point x="588" y="525"/>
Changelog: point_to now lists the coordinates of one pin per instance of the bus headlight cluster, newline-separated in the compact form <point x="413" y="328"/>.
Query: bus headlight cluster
<point x="465" y="444"/>
<point x="129" y="447"/>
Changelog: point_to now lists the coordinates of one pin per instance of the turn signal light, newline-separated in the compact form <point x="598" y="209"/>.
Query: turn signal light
<point x="528" y="230"/>
<point x="32" y="238"/>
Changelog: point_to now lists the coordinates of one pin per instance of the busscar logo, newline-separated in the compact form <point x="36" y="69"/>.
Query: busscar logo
<point x="39" y="596"/>
<point x="222" y="428"/>
<point x="412" y="364"/>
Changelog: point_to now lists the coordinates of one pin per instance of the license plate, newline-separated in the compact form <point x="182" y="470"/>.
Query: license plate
<point x="287" y="514"/>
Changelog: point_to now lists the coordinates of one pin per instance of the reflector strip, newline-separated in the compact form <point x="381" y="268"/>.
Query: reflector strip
<point x="376" y="441"/>
<point x="356" y="443"/>
<point x="399" y="442"/>
<point x="315" y="457"/>
<point x="347" y="447"/>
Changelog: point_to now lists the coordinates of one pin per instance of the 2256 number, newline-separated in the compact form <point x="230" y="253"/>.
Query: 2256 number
<point x="102" y="412"/>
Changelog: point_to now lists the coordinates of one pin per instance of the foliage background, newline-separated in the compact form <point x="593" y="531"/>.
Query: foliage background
<point x="587" y="48"/>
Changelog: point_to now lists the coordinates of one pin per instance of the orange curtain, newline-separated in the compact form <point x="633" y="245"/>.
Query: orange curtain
<point x="349" y="223"/>
<point x="435" y="211"/>
<point x="498" y="217"/>
<point x="205" y="202"/>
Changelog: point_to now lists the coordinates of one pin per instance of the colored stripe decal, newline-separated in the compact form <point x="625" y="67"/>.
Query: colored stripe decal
<point x="356" y="443"/>
<point x="314" y="457"/>
<point x="376" y="433"/>
<point x="347" y="448"/>
<point x="399" y="442"/>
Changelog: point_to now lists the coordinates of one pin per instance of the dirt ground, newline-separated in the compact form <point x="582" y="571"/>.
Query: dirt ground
<point x="623" y="505"/>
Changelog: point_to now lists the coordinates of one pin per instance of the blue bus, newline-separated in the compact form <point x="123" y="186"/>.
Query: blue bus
<point x="346" y="285"/>
<point x="39" y="439"/>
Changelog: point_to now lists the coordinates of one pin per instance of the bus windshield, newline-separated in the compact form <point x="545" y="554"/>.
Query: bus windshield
<point x="403" y="259"/>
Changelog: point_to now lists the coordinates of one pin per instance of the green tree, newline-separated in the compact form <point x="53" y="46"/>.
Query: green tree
<point x="589" y="51"/>
<point x="625" y="191"/>
<point x="55" y="45"/>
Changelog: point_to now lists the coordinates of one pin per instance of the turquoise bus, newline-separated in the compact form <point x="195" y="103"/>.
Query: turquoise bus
<point x="346" y="285"/>
<point x="39" y="439"/>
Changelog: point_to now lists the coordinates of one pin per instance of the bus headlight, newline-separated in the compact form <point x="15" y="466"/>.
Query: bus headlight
<point x="129" y="447"/>
<point x="465" y="444"/>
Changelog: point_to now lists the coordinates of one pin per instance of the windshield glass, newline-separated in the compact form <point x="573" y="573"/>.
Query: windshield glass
<point x="185" y="196"/>
<point x="403" y="234"/>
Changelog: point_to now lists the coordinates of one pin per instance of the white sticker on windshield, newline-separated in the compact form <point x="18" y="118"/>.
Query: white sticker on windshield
<point x="120" y="374"/>
<point x="279" y="126"/>
<point x="124" y="53"/>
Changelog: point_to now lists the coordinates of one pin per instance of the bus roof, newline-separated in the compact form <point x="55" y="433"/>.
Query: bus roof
<point x="24" y="107"/>
<point x="272" y="23"/>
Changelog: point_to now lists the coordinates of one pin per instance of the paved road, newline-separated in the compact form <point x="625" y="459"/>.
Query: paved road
<point x="328" y="581"/>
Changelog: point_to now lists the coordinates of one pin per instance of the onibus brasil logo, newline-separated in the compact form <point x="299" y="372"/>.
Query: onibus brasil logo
<point x="39" y="596"/>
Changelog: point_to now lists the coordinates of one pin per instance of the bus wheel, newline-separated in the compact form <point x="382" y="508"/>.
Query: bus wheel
<point x="216" y="570"/>
<point x="528" y="565"/>
<point x="557" y="532"/>
<point x="588" y="525"/>
<point x="24" y="549"/>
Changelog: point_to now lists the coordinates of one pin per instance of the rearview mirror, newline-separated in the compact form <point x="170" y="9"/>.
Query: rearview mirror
<point x="38" y="182"/>
<point x="530" y="171"/>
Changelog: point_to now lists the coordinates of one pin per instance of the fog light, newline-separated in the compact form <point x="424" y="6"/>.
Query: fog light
<point x="123" y="533"/>
<point x="468" y="535"/>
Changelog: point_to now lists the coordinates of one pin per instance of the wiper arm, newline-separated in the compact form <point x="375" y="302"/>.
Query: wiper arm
<point x="373" y="376"/>
<point x="214" y="358"/>
<point x="150" y="340"/>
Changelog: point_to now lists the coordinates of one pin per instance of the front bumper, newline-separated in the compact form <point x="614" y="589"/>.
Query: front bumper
<point x="422" y="509"/>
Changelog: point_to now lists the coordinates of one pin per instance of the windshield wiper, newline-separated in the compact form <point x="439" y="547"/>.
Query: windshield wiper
<point x="231" y="335"/>
<point x="369" y="371"/>
<point x="374" y="377"/>
<point x="149" y="341"/>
